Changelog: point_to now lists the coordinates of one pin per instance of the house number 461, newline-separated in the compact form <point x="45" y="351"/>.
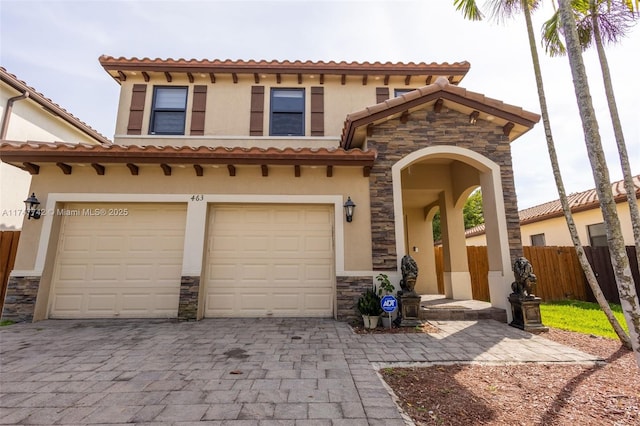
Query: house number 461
<point x="198" y="197"/>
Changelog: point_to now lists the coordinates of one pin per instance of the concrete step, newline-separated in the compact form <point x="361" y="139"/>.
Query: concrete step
<point x="462" y="314"/>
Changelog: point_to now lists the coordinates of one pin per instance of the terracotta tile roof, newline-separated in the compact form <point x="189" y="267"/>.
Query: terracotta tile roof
<point x="42" y="152"/>
<point x="110" y="62"/>
<point x="48" y="104"/>
<point x="441" y="89"/>
<point x="579" y="201"/>
<point x="118" y="67"/>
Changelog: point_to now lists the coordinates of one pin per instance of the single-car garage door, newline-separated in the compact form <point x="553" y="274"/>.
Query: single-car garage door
<point x="118" y="260"/>
<point x="270" y="260"/>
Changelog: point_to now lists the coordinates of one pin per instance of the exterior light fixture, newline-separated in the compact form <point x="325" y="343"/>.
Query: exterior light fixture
<point x="473" y="117"/>
<point x="349" y="206"/>
<point x="31" y="205"/>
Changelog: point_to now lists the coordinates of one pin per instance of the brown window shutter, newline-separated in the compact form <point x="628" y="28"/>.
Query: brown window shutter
<point x="198" y="110"/>
<point x="137" y="109"/>
<point x="317" y="111"/>
<point x="257" y="111"/>
<point x="382" y="94"/>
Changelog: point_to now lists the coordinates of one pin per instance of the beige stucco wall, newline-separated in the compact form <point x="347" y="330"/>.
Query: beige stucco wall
<point x="228" y="106"/>
<point x="556" y="233"/>
<point x="28" y="121"/>
<point x="346" y="181"/>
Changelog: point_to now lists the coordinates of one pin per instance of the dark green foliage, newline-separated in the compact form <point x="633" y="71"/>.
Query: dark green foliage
<point x="472" y="212"/>
<point x="369" y="303"/>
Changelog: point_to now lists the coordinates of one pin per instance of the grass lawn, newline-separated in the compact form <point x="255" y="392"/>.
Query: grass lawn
<point x="582" y="317"/>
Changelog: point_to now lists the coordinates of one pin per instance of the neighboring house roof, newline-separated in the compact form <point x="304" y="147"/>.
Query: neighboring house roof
<point x="120" y="68"/>
<point x="29" y="155"/>
<point x="50" y="106"/>
<point x="579" y="201"/>
<point x="515" y="120"/>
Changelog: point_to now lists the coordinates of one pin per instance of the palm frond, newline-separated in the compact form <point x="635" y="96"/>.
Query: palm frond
<point x="469" y="8"/>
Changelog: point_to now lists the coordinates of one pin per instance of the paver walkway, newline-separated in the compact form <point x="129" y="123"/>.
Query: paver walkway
<point x="231" y="371"/>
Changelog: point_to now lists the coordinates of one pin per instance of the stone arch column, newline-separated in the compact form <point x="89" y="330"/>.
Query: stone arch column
<point x="493" y="203"/>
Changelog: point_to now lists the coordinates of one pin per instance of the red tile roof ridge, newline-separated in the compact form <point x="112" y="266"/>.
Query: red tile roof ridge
<point x="72" y="119"/>
<point x="578" y="201"/>
<point x="108" y="58"/>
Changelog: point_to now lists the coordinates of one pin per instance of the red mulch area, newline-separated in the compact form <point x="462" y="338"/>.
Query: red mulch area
<point x="526" y="394"/>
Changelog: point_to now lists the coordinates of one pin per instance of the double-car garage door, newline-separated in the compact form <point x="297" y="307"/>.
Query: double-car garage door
<point x="260" y="260"/>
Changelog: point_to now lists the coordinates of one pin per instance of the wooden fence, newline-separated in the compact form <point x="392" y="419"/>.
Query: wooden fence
<point x="8" y="249"/>
<point x="558" y="270"/>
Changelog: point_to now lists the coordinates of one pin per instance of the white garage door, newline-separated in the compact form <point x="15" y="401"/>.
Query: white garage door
<point x="270" y="260"/>
<point x="127" y="264"/>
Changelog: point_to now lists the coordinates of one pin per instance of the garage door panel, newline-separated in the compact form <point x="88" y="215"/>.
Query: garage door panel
<point x="263" y="260"/>
<point x="105" y="271"/>
<point x="126" y="266"/>
<point x="70" y="303"/>
<point x="102" y="302"/>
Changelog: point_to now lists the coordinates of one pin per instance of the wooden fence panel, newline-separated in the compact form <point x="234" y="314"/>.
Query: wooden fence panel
<point x="439" y="269"/>
<point x="8" y="249"/>
<point x="601" y="262"/>
<point x="558" y="271"/>
<point x="478" y="261"/>
<point x="557" y="268"/>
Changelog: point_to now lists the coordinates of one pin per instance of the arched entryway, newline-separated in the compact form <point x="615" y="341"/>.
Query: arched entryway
<point x="442" y="177"/>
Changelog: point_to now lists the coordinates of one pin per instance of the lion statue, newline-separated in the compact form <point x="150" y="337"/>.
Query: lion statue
<point x="525" y="282"/>
<point x="409" y="269"/>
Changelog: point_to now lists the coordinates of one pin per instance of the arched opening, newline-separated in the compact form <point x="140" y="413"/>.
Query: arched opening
<point x="441" y="178"/>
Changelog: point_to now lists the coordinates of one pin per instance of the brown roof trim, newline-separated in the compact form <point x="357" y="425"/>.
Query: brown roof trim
<point x="110" y="63"/>
<point x="51" y="106"/>
<point x="441" y="89"/>
<point x="43" y="152"/>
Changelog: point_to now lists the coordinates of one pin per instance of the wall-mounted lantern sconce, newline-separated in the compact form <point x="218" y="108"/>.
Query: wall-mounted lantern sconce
<point x="31" y="205"/>
<point x="349" y="206"/>
<point x="473" y="117"/>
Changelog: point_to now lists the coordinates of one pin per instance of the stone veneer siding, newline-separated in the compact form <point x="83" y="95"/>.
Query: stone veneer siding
<point x="394" y="140"/>
<point x="20" y="300"/>
<point x="188" y="305"/>
<point x="349" y="290"/>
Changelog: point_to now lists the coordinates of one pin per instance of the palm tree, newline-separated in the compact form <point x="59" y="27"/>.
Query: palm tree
<point x="617" y="251"/>
<point x="600" y="22"/>
<point x="500" y="8"/>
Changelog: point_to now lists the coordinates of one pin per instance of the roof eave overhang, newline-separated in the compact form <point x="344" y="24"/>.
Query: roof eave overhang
<point x="51" y="107"/>
<point x="352" y="127"/>
<point x="117" y="66"/>
<point x="22" y="156"/>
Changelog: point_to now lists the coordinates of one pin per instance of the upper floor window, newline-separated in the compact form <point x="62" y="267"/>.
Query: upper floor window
<point x="537" y="240"/>
<point x="287" y="112"/>
<point x="400" y="92"/>
<point x="597" y="235"/>
<point x="169" y="110"/>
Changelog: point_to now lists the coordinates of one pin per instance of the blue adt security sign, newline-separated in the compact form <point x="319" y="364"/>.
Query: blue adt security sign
<point x="389" y="303"/>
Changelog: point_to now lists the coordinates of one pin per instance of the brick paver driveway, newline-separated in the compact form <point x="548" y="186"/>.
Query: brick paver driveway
<point x="230" y="371"/>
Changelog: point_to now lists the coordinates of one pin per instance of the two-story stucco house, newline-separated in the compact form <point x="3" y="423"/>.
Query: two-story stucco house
<point x="224" y="191"/>
<point x="28" y="115"/>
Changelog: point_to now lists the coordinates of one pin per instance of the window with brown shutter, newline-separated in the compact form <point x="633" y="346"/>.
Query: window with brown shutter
<point x="382" y="94"/>
<point x="198" y="110"/>
<point x="317" y="111"/>
<point x="136" y="111"/>
<point x="257" y="111"/>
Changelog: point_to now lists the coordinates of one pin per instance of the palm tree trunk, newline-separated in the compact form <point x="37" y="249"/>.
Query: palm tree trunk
<point x="617" y="130"/>
<point x="619" y="259"/>
<point x="555" y="166"/>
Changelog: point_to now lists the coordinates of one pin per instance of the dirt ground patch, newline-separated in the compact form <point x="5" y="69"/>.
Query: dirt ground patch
<point x="526" y="394"/>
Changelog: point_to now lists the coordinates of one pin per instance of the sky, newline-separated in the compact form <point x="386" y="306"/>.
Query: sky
<point x="54" y="47"/>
